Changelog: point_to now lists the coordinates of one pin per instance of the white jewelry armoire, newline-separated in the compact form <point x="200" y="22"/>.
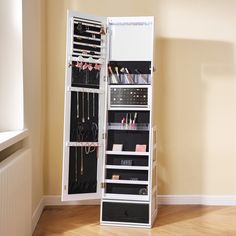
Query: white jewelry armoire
<point x="109" y="137"/>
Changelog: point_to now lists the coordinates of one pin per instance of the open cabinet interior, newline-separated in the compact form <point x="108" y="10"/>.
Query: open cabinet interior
<point x="109" y="140"/>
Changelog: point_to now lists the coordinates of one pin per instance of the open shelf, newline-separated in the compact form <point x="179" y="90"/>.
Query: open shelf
<point x="133" y="127"/>
<point x="142" y="117"/>
<point x="127" y="153"/>
<point x="129" y="108"/>
<point x="130" y="79"/>
<point x="126" y="197"/>
<point x="122" y="167"/>
<point x="129" y="85"/>
<point x="126" y="174"/>
<point x="140" y="182"/>
<point x="128" y="140"/>
<point x="126" y="189"/>
<point x="133" y="161"/>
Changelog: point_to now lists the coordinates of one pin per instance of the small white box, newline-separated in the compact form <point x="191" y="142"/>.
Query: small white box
<point x="117" y="147"/>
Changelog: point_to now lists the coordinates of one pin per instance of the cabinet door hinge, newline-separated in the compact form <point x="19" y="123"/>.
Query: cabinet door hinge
<point x="103" y="185"/>
<point x="103" y="30"/>
<point x="65" y="187"/>
<point x="104" y="136"/>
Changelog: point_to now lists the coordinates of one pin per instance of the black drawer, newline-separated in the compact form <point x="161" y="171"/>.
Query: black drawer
<point x="125" y="212"/>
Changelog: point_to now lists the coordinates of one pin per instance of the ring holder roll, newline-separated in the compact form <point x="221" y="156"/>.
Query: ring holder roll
<point x="128" y="96"/>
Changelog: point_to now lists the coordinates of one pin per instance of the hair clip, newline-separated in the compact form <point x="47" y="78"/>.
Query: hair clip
<point x="97" y="66"/>
<point x="85" y="66"/>
<point x="79" y="65"/>
<point x="90" y="67"/>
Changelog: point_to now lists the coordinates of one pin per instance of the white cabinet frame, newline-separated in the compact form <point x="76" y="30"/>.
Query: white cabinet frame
<point x="113" y="28"/>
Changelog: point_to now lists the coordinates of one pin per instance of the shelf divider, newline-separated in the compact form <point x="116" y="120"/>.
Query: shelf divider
<point x="134" y="197"/>
<point x="139" y="182"/>
<point x="123" y="167"/>
<point x="127" y="153"/>
<point x="134" y="127"/>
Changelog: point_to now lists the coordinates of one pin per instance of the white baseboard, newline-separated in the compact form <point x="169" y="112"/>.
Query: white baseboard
<point x="212" y="200"/>
<point x="37" y="213"/>
<point x="55" y="200"/>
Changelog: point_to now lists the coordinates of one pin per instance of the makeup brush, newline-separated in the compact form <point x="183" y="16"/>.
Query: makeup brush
<point x="113" y="78"/>
<point x="117" y="73"/>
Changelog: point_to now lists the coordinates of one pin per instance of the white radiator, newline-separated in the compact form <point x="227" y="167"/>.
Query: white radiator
<point x="15" y="194"/>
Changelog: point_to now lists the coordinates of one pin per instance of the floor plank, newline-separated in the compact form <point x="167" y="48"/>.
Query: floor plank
<point x="171" y="221"/>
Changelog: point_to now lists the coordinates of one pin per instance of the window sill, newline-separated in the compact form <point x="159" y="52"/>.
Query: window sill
<point x="9" y="138"/>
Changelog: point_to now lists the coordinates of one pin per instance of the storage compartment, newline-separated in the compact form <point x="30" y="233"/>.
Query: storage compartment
<point x="129" y="72"/>
<point x="127" y="174"/>
<point x="85" y="75"/>
<point x="127" y="160"/>
<point x="143" y="117"/>
<point x="86" y="38"/>
<point x="125" y="212"/>
<point x="82" y="170"/>
<point x="84" y="117"/>
<point x="133" y="189"/>
<point x="87" y="46"/>
<point x="127" y="139"/>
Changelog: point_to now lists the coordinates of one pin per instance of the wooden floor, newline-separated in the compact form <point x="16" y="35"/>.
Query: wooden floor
<point x="172" y="220"/>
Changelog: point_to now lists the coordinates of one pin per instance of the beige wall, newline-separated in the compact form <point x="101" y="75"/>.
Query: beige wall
<point x="34" y="82"/>
<point x="197" y="90"/>
<point x="196" y="98"/>
<point x="11" y="69"/>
